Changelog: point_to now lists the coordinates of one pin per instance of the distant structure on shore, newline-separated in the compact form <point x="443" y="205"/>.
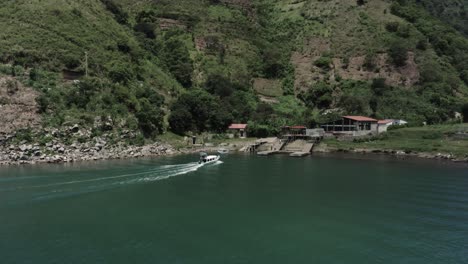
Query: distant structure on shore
<point x="238" y="130"/>
<point x="352" y="125"/>
<point x="358" y="126"/>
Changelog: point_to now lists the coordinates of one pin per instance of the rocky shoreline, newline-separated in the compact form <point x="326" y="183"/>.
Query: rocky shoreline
<point x="398" y="153"/>
<point x="60" y="153"/>
<point x="73" y="144"/>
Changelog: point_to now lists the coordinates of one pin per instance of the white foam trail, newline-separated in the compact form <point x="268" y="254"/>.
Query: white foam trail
<point x="160" y="173"/>
<point x="71" y="182"/>
<point x="175" y="173"/>
<point x="162" y="169"/>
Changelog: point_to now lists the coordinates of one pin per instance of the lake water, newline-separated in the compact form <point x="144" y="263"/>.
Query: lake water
<point x="246" y="209"/>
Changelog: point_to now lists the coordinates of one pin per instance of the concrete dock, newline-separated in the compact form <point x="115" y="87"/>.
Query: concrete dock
<point x="299" y="154"/>
<point x="295" y="148"/>
<point x="267" y="153"/>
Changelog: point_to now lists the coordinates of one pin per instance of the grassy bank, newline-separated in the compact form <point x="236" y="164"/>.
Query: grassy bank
<point x="428" y="139"/>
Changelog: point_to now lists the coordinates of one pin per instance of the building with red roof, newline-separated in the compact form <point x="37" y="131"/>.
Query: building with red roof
<point x="361" y="118"/>
<point x="382" y="125"/>
<point x="352" y="125"/>
<point x="385" y="121"/>
<point x="239" y="130"/>
<point x="238" y="126"/>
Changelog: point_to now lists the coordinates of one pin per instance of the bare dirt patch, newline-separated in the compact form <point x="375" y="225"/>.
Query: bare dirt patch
<point x="18" y="107"/>
<point x="268" y="87"/>
<point x="308" y="74"/>
<point x="267" y="99"/>
<point x="407" y="75"/>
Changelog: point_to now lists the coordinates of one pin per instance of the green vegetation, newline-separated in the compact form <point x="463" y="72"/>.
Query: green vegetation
<point x="453" y="12"/>
<point x="430" y="139"/>
<point x="323" y="62"/>
<point x="159" y="66"/>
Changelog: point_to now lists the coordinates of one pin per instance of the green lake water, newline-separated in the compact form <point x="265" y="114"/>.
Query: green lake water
<point x="246" y="209"/>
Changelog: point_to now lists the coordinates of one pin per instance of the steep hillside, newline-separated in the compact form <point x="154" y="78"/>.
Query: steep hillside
<point x="454" y="12"/>
<point x="340" y="44"/>
<point x="175" y="65"/>
<point x="49" y="44"/>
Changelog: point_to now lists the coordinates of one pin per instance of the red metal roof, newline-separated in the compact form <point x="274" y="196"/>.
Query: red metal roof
<point x="361" y="118"/>
<point x="238" y="126"/>
<point x="385" y="121"/>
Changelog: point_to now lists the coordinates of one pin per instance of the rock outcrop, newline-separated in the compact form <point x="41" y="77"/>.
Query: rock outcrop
<point x="55" y="146"/>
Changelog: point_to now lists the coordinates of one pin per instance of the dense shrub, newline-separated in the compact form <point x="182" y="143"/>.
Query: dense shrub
<point x="198" y="111"/>
<point x="323" y="62"/>
<point x="274" y="62"/>
<point x="392" y="26"/>
<point x="120" y="72"/>
<point x="319" y="95"/>
<point x="120" y="15"/>
<point x="150" y="118"/>
<point x="178" y="61"/>
<point x="398" y="53"/>
<point x="220" y="85"/>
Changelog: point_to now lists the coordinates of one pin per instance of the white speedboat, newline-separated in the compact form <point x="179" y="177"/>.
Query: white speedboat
<point x="208" y="159"/>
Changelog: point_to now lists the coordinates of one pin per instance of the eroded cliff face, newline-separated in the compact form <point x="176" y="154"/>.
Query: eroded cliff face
<point x="307" y="74"/>
<point x="18" y="106"/>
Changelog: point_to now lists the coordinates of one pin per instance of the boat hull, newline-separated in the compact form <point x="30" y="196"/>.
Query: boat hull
<point x="209" y="160"/>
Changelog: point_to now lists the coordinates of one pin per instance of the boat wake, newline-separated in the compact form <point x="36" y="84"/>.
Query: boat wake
<point x="21" y="188"/>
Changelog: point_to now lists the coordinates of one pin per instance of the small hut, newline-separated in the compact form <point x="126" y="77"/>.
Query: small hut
<point x="384" y="124"/>
<point x="294" y="132"/>
<point x="239" y="130"/>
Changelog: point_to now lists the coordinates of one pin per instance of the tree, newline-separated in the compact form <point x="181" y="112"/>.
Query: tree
<point x="150" y="118"/>
<point x="125" y="96"/>
<point x="120" y="72"/>
<point x="220" y="120"/>
<point x="392" y="26"/>
<point x="323" y="62"/>
<point x="274" y="62"/>
<point x="398" y="53"/>
<point x="146" y="23"/>
<point x="353" y="104"/>
<point x="431" y="72"/>
<point x="148" y="29"/>
<point x="147" y="17"/>
<point x="319" y="95"/>
<point x="464" y="76"/>
<point x="263" y="112"/>
<point x="178" y="61"/>
<point x="198" y="111"/>
<point x="241" y="105"/>
<point x="120" y="15"/>
<point x="465" y="112"/>
<point x="180" y="120"/>
<point x="378" y="86"/>
<point x="81" y="93"/>
<point x="219" y="85"/>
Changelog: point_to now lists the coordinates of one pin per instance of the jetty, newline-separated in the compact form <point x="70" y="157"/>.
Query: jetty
<point x="296" y="141"/>
<point x="267" y="153"/>
<point x="306" y="150"/>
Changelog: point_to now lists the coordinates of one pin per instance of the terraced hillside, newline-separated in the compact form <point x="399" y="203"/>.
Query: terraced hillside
<point x="196" y="66"/>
